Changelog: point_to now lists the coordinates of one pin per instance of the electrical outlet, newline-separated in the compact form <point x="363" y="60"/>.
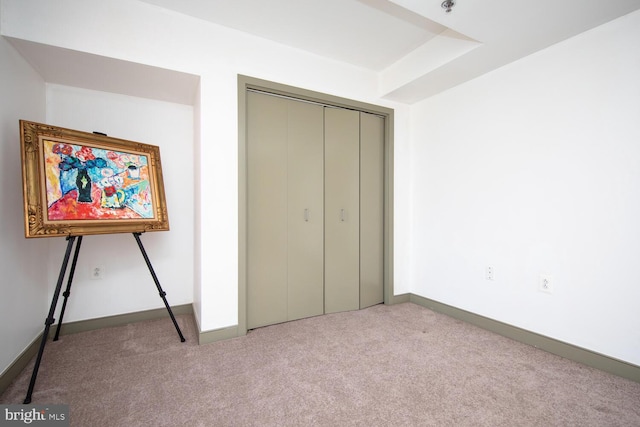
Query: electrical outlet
<point x="545" y="284"/>
<point x="96" y="272"/>
<point x="489" y="272"/>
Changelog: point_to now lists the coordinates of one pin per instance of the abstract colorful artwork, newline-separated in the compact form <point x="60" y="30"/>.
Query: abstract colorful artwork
<point x="94" y="183"/>
<point x="78" y="183"/>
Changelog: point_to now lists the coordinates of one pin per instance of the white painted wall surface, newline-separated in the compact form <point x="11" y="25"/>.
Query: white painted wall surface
<point x="128" y="285"/>
<point x="139" y="32"/>
<point x="23" y="287"/>
<point x="532" y="168"/>
<point x="535" y="168"/>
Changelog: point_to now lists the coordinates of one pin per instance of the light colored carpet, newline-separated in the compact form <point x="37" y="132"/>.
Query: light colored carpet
<point x="400" y="365"/>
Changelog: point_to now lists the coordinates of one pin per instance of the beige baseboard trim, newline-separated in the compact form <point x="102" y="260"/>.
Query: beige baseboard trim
<point x="82" y="326"/>
<point x="119" y="320"/>
<point x="399" y="299"/>
<point x="229" y="332"/>
<point x="568" y="351"/>
<point x="560" y="348"/>
<point x="19" y="363"/>
<point x="208" y="337"/>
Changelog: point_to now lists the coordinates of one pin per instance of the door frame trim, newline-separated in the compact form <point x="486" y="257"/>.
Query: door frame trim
<point x="246" y="83"/>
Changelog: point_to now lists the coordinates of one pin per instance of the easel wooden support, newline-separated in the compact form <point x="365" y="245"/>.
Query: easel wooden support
<point x="54" y="302"/>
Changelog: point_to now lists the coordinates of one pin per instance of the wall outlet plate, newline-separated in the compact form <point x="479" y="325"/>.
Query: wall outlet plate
<point x="545" y="284"/>
<point x="489" y="272"/>
<point x="96" y="272"/>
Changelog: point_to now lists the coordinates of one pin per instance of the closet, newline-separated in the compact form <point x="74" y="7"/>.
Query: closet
<point x="315" y="204"/>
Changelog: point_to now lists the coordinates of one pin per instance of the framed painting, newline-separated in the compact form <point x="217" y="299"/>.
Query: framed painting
<point x="79" y="183"/>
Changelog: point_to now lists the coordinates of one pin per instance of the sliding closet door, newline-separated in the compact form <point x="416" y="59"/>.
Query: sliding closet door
<point x="371" y="209"/>
<point x="285" y="214"/>
<point x="315" y="203"/>
<point x="342" y="213"/>
<point x="305" y="165"/>
<point x="267" y="212"/>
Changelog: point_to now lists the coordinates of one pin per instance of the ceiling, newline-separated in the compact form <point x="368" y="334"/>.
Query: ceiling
<point x="416" y="49"/>
<point x="368" y="33"/>
<point x="415" y="46"/>
<point x="81" y="69"/>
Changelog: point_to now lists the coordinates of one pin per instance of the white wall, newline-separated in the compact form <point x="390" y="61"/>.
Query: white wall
<point x="128" y="285"/>
<point x="535" y="168"/>
<point x="23" y="287"/>
<point x="142" y="33"/>
<point x="532" y="168"/>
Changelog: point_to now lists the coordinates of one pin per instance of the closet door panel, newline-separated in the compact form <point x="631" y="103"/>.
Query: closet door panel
<point x="305" y="165"/>
<point x="342" y="216"/>
<point x="266" y="210"/>
<point x="371" y="209"/>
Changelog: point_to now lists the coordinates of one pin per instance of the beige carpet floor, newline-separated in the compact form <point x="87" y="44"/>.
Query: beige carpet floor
<point x="400" y="365"/>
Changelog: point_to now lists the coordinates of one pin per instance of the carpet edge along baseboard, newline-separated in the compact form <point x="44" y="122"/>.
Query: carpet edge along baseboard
<point x="551" y="345"/>
<point x="23" y="359"/>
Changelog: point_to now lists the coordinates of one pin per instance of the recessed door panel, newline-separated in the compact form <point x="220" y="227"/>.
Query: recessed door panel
<point x="305" y="166"/>
<point x="371" y="209"/>
<point x="342" y="214"/>
<point x="266" y="210"/>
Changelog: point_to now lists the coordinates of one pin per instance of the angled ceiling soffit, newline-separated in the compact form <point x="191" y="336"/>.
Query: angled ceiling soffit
<point x="439" y="51"/>
<point x="89" y="71"/>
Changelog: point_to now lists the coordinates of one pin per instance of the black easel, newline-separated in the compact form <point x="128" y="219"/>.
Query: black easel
<point x="54" y="302"/>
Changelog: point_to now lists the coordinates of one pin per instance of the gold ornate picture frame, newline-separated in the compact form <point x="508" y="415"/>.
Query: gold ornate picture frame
<point x="78" y="183"/>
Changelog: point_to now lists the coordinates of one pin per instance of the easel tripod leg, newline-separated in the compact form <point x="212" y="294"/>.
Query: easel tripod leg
<point x="157" y="282"/>
<point x="50" y="319"/>
<point x="67" y="291"/>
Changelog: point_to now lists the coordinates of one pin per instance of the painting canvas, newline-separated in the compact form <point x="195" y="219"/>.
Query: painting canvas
<point x="94" y="183"/>
<point x="79" y="183"/>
